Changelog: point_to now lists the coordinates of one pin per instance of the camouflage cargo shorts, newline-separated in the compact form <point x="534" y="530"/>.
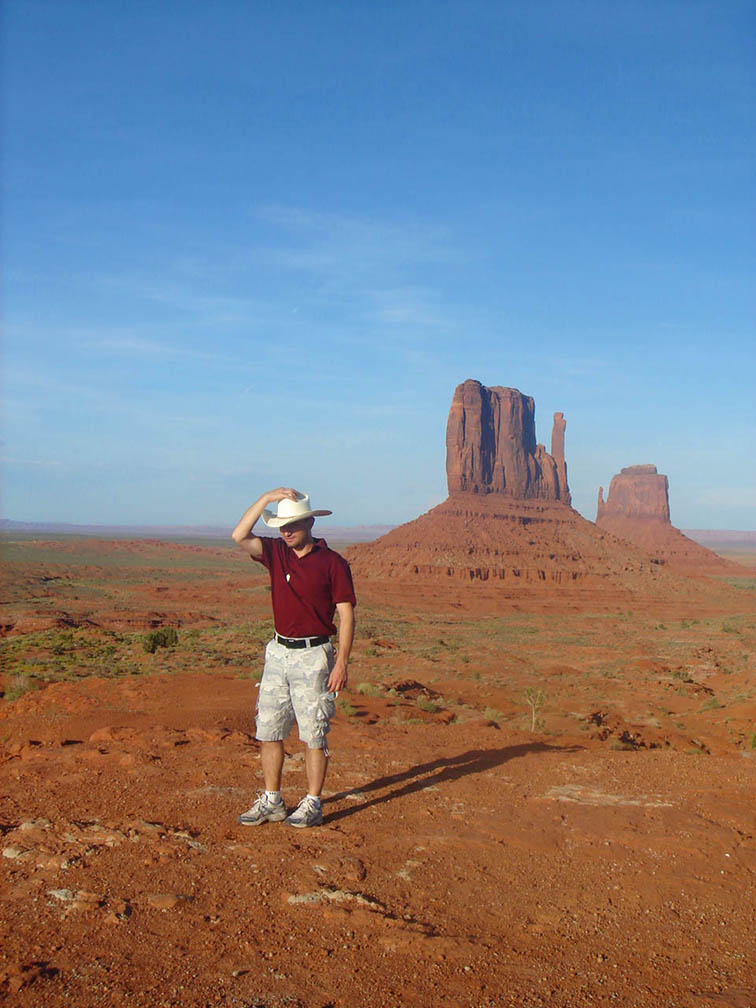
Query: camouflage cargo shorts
<point x="294" y="684"/>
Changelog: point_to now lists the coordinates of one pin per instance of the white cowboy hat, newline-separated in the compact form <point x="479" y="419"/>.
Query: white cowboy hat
<point x="291" y="511"/>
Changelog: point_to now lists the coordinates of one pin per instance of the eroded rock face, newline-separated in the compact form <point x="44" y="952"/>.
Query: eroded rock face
<point x="491" y="446"/>
<point x="637" y="510"/>
<point x="636" y="492"/>
<point x="557" y="452"/>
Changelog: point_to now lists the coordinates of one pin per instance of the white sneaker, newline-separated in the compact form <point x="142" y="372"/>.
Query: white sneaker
<point x="264" y="810"/>
<point x="307" y="813"/>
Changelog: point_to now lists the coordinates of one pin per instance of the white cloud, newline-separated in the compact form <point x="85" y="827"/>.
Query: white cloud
<point x="407" y="306"/>
<point x="343" y="247"/>
<point x="42" y="463"/>
<point x="137" y="346"/>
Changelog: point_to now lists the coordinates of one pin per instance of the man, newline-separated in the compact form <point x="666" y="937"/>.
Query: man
<point x="301" y="675"/>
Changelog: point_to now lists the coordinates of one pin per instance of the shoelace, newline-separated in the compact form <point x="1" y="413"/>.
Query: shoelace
<point x="307" y="805"/>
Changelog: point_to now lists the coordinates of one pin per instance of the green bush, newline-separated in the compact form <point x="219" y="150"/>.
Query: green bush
<point x="369" y="689"/>
<point x="20" y="685"/>
<point x="711" y="704"/>
<point x="427" y="705"/>
<point x="164" y="637"/>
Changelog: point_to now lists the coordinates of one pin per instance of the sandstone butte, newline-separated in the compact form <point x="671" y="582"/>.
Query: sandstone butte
<point x="507" y="520"/>
<point x="637" y="510"/>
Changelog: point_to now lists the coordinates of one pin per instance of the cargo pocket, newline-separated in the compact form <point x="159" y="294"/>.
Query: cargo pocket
<point x="324" y="711"/>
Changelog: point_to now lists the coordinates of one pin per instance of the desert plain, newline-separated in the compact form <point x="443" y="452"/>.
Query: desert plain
<point x="538" y="795"/>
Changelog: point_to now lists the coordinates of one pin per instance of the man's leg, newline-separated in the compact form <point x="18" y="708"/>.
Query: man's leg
<point x="272" y="759"/>
<point x="314" y="707"/>
<point x="274" y="718"/>
<point x="269" y="807"/>
<point x="316" y="765"/>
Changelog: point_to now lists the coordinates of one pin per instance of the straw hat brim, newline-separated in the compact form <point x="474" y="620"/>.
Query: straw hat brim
<point x="273" y="521"/>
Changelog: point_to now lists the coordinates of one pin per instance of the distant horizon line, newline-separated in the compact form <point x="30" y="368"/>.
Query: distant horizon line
<point x="148" y="530"/>
<point x="223" y="531"/>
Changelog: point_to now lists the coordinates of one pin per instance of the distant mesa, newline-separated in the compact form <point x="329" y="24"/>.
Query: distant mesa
<point x="637" y="510"/>
<point x="491" y="446"/>
<point x="507" y="520"/>
<point x="638" y="491"/>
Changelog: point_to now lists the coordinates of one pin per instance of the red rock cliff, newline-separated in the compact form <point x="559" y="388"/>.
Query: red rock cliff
<point x="637" y="510"/>
<point x="491" y="446"/>
<point x="636" y="492"/>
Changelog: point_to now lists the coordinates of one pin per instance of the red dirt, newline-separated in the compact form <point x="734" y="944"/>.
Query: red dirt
<point x="604" y="858"/>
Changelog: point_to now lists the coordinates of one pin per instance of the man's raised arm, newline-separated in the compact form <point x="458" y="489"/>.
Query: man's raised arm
<point x="242" y="534"/>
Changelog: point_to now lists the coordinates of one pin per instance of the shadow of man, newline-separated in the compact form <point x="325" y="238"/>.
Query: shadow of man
<point x="438" y="771"/>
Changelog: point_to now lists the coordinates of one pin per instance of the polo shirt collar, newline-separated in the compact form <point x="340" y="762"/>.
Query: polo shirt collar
<point x="317" y="544"/>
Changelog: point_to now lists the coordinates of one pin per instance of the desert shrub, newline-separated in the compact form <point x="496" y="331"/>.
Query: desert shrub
<point x="164" y="637"/>
<point x="427" y="705"/>
<point x="753" y="741"/>
<point x="492" y="714"/>
<point x="346" y="708"/>
<point x="535" y="699"/>
<point x="19" y="685"/>
<point x="62" y="643"/>
<point x="369" y="689"/>
<point x="711" y="704"/>
<point x="619" y="745"/>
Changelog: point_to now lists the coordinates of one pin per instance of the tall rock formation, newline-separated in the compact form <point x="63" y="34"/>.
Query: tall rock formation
<point x="491" y="446"/>
<point x="637" y="510"/>
<point x="557" y="451"/>
<point x="638" y="491"/>
<point x="507" y="522"/>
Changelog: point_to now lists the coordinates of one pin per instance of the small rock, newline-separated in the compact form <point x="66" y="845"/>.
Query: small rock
<point x="52" y="862"/>
<point x="83" y="896"/>
<point x="163" y="901"/>
<point x="14" y="852"/>
<point x="32" y="824"/>
<point x="64" y="895"/>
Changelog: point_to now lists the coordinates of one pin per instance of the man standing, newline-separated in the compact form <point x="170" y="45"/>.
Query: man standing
<point x="309" y="583"/>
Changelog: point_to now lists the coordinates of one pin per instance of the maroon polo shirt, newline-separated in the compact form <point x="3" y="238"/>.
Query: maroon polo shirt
<point x="305" y="589"/>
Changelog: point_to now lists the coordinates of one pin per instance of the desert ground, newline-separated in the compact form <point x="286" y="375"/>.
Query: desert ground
<point x="540" y="797"/>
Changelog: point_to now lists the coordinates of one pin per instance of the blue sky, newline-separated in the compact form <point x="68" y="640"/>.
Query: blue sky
<point x="248" y="244"/>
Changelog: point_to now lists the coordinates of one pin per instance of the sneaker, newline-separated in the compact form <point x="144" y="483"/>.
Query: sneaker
<point x="263" y="811"/>
<point x="307" y="813"/>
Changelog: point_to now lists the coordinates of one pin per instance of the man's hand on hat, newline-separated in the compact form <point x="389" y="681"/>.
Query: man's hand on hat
<point x="281" y="493"/>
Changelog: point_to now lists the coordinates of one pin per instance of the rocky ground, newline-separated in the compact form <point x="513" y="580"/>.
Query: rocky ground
<point x="483" y="844"/>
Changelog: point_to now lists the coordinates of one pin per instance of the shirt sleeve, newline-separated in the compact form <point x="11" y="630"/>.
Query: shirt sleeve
<point x="267" y="551"/>
<point x="342" y="587"/>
